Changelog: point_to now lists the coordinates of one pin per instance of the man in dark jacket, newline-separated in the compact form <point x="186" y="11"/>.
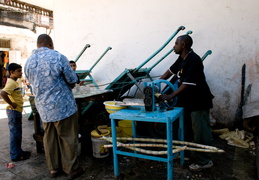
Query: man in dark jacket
<point x="193" y="95"/>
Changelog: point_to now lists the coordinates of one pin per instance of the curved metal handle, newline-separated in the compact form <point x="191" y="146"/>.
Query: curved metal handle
<point x="83" y="50"/>
<point x="189" y="32"/>
<point x="162" y="58"/>
<point x="209" y="52"/>
<point x="108" y="48"/>
<point x="181" y="28"/>
<point x="160" y="49"/>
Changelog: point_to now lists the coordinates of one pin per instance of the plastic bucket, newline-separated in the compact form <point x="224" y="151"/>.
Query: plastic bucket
<point x="113" y="106"/>
<point x="118" y="130"/>
<point x="126" y="128"/>
<point x="97" y="144"/>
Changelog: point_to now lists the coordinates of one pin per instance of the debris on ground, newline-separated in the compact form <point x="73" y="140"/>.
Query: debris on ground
<point x="238" y="138"/>
<point x="10" y="165"/>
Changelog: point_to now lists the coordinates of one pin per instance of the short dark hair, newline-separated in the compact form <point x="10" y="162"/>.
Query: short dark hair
<point x="72" y="62"/>
<point x="13" y="67"/>
<point x="187" y="39"/>
<point x="45" y="40"/>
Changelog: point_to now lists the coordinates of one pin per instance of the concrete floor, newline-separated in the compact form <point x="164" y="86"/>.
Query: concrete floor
<point x="236" y="163"/>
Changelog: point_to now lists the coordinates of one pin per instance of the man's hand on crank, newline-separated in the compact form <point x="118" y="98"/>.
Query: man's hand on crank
<point x="166" y="97"/>
<point x="169" y="97"/>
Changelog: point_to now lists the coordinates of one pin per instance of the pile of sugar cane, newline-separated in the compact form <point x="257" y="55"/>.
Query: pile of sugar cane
<point x="177" y="145"/>
<point x="238" y="138"/>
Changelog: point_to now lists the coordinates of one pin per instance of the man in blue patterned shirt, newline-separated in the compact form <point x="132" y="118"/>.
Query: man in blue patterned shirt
<point x="52" y="78"/>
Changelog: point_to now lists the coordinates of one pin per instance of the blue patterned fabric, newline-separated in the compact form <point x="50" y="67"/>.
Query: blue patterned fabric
<point x="50" y="74"/>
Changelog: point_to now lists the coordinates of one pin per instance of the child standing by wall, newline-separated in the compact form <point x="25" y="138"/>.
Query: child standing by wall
<point x="12" y="95"/>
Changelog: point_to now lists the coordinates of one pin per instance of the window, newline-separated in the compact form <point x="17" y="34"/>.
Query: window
<point x="5" y="43"/>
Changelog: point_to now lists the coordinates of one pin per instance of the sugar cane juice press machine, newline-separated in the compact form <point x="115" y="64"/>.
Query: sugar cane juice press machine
<point x="152" y="90"/>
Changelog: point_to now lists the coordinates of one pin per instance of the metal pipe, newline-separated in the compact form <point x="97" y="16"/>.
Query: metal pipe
<point x="83" y="50"/>
<point x="149" y="69"/>
<point x="206" y="54"/>
<point x="109" y="48"/>
<point x="162" y="47"/>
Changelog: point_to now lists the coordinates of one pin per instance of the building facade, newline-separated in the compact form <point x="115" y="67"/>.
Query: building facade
<point x="20" y="24"/>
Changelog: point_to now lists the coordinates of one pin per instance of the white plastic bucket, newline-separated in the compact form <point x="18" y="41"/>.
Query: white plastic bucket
<point x="97" y="144"/>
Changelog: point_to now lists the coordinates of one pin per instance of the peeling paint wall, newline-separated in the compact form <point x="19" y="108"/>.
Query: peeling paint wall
<point x="136" y="29"/>
<point x="22" y="40"/>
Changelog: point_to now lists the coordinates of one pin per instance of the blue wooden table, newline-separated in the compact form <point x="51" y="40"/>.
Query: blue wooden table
<point x="167" y="117"/>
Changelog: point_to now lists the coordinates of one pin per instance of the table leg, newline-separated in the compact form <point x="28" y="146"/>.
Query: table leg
<point x="134" y="132"/>
<point x="181" y="133"/>
<point x="169" y="127"/>
<point x="114" y="147"/>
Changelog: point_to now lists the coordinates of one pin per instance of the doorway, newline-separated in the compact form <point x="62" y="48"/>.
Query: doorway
<point x="4" y="61"/>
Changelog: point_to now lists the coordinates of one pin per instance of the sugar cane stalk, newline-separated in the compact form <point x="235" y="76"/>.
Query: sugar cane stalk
<point x="164" y="141"/>
<point x="163" y="145"/>
<point x="181" y="148"/>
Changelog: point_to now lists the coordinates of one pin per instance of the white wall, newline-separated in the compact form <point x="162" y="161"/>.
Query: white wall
<point x="135" y="29"/>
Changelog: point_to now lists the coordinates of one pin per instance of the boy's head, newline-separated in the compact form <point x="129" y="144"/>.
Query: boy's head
<point x="73" y="65"/>
<point x="15" y="70"/>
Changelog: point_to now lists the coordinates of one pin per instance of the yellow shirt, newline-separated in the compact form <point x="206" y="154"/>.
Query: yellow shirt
<point x="14" y="93"/>
<point x="20" y="81"/>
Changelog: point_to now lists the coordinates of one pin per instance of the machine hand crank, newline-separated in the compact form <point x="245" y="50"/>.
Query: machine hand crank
<point x="152" y="90"/>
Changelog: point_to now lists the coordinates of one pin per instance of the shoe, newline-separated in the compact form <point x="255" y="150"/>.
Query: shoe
<point x="21" y="158"/>
<point x="53" y="174"/>
<point x="75" y="174"/>
<point x="26" y="153"/>
<point x="197" y="167"/>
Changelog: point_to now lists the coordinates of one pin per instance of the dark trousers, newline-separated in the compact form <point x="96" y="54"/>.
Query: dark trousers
<point x="202" y="134"/>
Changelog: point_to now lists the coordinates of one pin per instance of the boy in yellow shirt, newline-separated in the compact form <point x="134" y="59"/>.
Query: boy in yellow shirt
<point x="12" y="95"/>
